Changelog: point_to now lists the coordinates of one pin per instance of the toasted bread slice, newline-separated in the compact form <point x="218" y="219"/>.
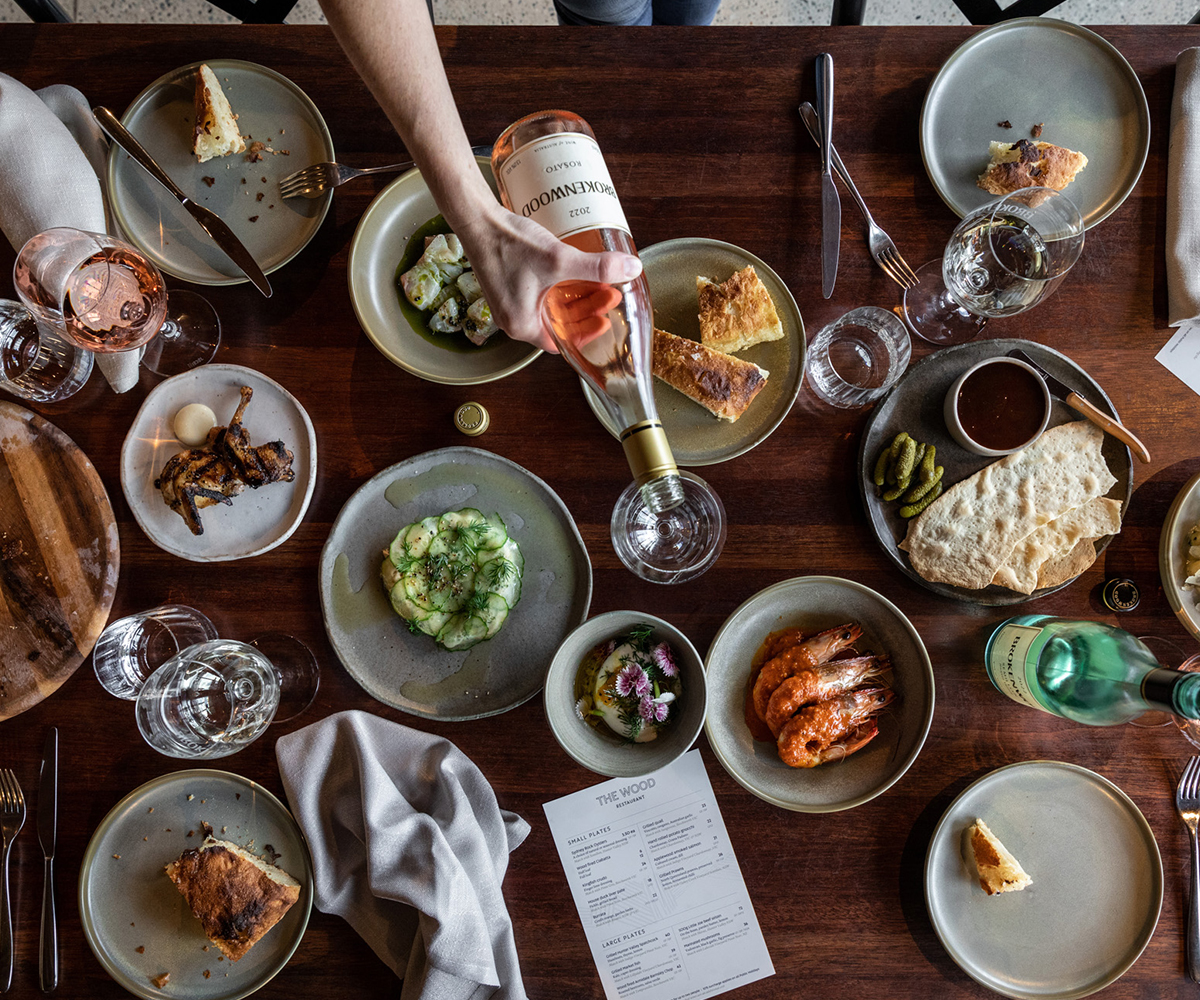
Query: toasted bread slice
<point x="216" y="132"/>
<point x="236" y="896"/>
<point x="1025" y="163"/>
<point x="722" y="384"/>
<point x="998" y="870"/>
<point x="737" y="313"/>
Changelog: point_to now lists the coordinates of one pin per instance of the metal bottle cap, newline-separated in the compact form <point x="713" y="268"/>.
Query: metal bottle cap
<point x="1120" y="594"/>
<point x="472" y="419"/>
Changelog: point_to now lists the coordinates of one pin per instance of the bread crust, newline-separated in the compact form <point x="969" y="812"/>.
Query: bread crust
<point x="1025" y="164"/>
<point x="722" y="384"/>
<point x="737" y="313"/>
<point x="998" y="870"/>
<point x="215" y="132"/>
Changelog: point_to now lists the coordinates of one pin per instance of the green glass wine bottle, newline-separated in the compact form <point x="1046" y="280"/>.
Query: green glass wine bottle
<point x="1085" y="671"/>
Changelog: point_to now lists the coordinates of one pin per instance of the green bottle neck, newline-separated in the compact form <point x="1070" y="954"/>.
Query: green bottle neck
<point x="1173" y="691"/>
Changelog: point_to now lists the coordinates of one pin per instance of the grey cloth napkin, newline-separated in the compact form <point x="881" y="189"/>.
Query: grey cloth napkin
<point x="1183" y="193"/>
<point x="399" y="820"/>
<point x="52" y="165"/>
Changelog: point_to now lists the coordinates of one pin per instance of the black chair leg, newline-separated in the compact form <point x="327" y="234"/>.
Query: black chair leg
<point x="849" y="12"/>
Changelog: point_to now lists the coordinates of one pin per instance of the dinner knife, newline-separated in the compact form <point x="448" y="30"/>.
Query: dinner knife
<point x="1081" y="405"/>
<point x="210" y="222"/>
<point x="831" y="205"/>
<point x="47" y="824"/>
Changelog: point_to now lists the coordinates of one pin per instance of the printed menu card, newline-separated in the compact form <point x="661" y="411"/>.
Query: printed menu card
<point x="657" y="886"/>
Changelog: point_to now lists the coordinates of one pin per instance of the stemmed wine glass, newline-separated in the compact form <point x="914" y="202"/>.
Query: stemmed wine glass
<point x="1001" y="259"/>
<point x="106" y="296"/>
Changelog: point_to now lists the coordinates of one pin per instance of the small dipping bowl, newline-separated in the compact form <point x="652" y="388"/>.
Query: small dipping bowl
<point x="598" y="748"/>
<point x="997" y="407"/>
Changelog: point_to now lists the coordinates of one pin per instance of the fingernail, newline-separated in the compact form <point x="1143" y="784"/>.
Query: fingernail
<point x="633" y="267"/>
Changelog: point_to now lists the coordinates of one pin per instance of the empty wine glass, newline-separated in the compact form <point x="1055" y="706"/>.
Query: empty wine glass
<point x="106" y="296"/>
<point x="1000" y="260"/>
<point x="132" y="648"/>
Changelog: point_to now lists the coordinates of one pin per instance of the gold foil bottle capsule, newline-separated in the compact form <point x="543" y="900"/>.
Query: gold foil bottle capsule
<point x="472" y="419"/>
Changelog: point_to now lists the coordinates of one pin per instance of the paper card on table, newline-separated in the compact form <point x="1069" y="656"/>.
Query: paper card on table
<point x="657" y="886"/>
<point x="1181" y="356"/>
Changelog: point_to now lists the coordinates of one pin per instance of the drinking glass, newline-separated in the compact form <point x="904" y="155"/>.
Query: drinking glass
<point x="856" y="359"/>
<point x="35" y="362"/>
<point x="131" y="649"/>
<point x="1000" y="260"/>
<point x="104" y="295"/>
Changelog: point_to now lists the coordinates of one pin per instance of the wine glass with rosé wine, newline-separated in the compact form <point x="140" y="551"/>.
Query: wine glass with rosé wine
<point x="106" y="296"/>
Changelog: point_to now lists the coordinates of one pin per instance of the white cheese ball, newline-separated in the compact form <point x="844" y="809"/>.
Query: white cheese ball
<point x="192" y="424"/>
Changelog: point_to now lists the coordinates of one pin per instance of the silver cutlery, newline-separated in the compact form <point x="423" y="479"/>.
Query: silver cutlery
<point x="210" y="222"/>
<point x="1187" y="802"/>
<point x="881" y="246"/>
<point x="831" y="205"/>
<point x="12" y="818"/>
<point x="314" y="181"/>
<point x="47" y="824"/>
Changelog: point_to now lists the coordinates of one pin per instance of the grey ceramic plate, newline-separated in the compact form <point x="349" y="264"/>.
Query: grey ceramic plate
<point x="1172" y="555"/>
<point x="1027" y="71"/>
<point x="127" y="903"/>
<point x="914" y="404"/>
<point x="696" y="436"/>
<point x="383" y="232"/>
<point x="270" y="109"/>
<point x="257" y="520"/>
<point x="818" y="602"/>
<point x="409" y="671"/>
<point x="1084" y="921"/>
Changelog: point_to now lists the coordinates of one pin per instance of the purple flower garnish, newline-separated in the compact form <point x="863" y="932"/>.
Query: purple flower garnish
<point x="661" y="709"/>
<point x="664" y="660"/>
<point x="632" y="680"/>
<point x="646" y="708"/>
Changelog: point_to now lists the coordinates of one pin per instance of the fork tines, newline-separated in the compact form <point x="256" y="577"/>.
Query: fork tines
<point x="896" y="268"/>
<point x="11" y="797"/>
<point x="1189" y="785"/>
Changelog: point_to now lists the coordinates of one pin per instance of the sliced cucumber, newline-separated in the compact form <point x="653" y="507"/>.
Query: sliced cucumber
<point x="495" y="535"/>
<point x="418" y="537"/>
<point x="462" y="631"/>
<point x="405" y="608"/>
<point x="492" y="612"/>
<point x="433" y="622"/>
<point x="456" y="520"/>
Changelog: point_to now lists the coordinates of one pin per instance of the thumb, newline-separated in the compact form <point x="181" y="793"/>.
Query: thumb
<point x="612" y="267"/>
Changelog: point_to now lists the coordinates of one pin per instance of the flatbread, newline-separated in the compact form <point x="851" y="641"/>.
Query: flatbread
<point x="1067" y="565"/>
<point x="967" y="534"/>
<point x="1058" y="539"/>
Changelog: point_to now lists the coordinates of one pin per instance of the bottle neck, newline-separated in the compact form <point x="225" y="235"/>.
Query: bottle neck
<point x="1173" y="691"/>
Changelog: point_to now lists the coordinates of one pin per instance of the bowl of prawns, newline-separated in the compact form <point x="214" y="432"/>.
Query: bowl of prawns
<point x="821" y="694"/>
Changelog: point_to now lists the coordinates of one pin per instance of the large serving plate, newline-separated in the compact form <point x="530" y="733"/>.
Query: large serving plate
<point x="1183" y="514"/>
<point x="135" y="920"/>
<point x="818" y="603"/>
<point x="59" y="558"/>
<point x="376" y="251"/>
<point x="1097" y="882"/>
<point x="1028" y="71"/>
<point x="696" y="436"/>
<point x="270" y="109"/>
<point x="408" y="671"/>
<point x="914" y="404"/>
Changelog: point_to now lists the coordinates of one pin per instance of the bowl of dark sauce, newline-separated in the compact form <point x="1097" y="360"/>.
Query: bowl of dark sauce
<point x="997" y="407"/>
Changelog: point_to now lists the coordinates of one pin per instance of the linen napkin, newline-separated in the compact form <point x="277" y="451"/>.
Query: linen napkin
<point x="52" y="162"/>
<point x="1183" y="193"/>
<point x="399" y="820"/>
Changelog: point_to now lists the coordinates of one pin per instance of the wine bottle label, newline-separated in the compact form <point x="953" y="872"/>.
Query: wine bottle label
<point x="562" y="182"/>
<point x="1009" y="654"/>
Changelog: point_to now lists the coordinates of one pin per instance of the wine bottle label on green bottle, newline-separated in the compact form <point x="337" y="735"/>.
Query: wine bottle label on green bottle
<point x="1009" y="654"/>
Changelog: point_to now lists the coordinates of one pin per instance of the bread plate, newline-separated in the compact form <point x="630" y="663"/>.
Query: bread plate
<point x="1082" y="923"/>
<point x="817" y="603"/>
<point x="135" y="920"/>
<point x="1183" y="514"/>
<point x="914" y="404"/>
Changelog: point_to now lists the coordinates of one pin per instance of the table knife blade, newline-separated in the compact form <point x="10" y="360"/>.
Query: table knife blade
<point x="47" y="824"/>
<point x="209" y="221"/>
<point x="1081" y="406"/>
<point x="831" y="205"/>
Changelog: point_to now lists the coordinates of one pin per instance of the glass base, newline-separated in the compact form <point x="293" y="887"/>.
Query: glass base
<point x="188" y="338"/>
<point x="299" y="676"/>
<point x="933" y="315"/>
<point x="676" y="544"/>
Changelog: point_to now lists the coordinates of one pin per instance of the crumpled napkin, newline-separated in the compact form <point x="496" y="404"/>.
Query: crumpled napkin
<point x="399" y="819"/>
<point x="52" y="166"/>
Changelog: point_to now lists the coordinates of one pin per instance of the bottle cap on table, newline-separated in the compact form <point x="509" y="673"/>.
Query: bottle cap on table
<point x="1120" y="594"/>
<point x="472" y="419"/>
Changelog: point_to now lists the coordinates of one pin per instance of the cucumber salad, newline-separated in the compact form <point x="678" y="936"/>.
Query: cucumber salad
<point x="454" y="577"/>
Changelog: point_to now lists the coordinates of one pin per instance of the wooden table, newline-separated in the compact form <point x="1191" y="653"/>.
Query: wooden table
<point x="701" y="131"/>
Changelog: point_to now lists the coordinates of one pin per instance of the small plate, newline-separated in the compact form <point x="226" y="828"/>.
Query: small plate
<point x="1029" y="71"/>
<point x="1172" y="555"/>
<point x="914" y="404"/>
<point x="270" y="109"/>
<point x="696" y="436"/>
<point x="1097" y="882"/>
<point x="135" y="920"/>
<point x="410" y="672"/>
<point x="376" y="251"/>
<point x="257" y="520"/>
<point x="818" y="602"/>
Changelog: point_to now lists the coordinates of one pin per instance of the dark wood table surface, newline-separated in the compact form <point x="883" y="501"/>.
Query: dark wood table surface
<point x="701" y="132"/>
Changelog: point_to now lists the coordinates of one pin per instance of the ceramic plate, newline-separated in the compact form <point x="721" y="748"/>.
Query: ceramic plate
<point x="817" y="603"/>
<point x="914" y="404"/>
<point x="376" y="251"/>
<point x="134" y="918"/>
<point x="408" y="671"/>
<point x="696" y="436"/>
<point x="257" y="520"/>
<point x="1172" y="555"/>
<point x="1081" y="924"/>
<point x="1030" y="71"/>
<point x="270" y="109"/>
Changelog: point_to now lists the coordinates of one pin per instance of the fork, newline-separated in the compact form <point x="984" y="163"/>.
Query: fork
<point x="12" y="818"/>
<point x="1187" y="802"/>
<point x="882" y="248"/>
<point x="314" y="181"/>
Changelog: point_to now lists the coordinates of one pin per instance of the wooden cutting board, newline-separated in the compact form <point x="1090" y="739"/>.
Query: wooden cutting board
<point x="59" y="558"/>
